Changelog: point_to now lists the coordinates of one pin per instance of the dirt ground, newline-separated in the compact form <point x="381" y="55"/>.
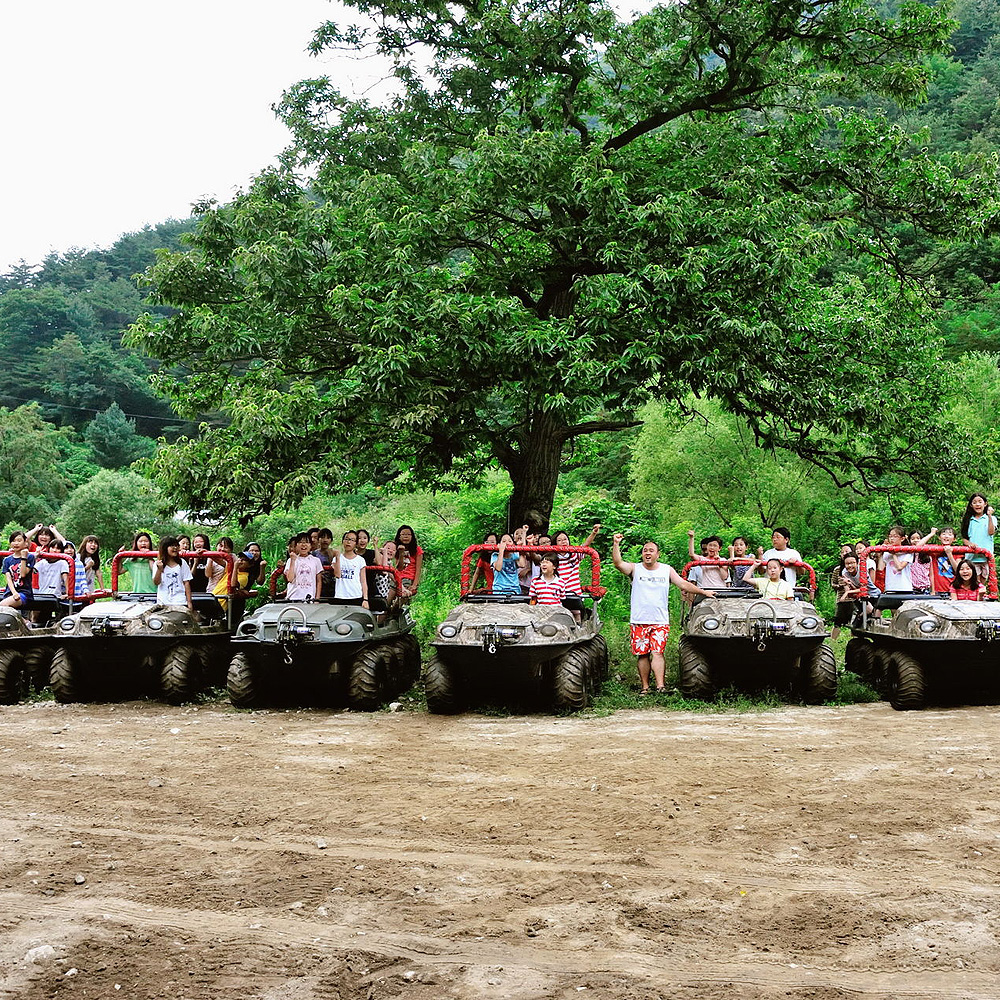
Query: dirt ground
<point x="200" y="852"/>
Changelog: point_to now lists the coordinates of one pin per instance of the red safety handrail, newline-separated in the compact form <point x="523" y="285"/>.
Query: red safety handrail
<point x="748" y="561"/>
<point x="594" y="589"/>
<point x="280" y="569"/>
<point x="932" y="550"/>
<point x="70" y="582"/>
<point x="225" y="557"/>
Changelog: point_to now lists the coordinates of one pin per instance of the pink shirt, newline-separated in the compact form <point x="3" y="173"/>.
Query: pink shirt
<point x="303" y="583"/>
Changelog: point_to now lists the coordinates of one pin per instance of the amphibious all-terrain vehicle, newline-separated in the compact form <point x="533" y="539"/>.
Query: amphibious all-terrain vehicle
<point x="26" y="649"/>
<point x="326" y="652"/>
<point x="508" y="647"/>
<point x="738" y="638"/>
<point x="133" y="644"/>
<point x="931" y="646"/>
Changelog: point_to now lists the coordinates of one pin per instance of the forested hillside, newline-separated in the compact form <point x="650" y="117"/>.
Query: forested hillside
<point x="78" y="407"/>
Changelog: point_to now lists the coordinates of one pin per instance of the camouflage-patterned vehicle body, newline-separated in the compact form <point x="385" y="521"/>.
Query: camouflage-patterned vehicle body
<point x="316" y="651"/>
<point x="505" y="647"/>
<point x="931" y="646"/>
<point x="26" y="650"/>
<point x="132" y="644"/>
<point x="738" y="638"/>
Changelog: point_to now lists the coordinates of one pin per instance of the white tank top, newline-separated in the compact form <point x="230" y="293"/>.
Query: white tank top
<point x="650" y="591"/>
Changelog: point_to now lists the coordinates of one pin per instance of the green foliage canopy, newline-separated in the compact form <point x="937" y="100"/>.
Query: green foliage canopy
<point x="561" y="214"/>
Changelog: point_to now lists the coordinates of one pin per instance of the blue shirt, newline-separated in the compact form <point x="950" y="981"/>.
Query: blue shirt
<point x="12" y="565"/>
<point x="505" y="580"/>
<point x="979" y="534"/>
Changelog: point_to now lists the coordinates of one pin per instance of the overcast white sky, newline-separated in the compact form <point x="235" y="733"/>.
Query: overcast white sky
<point x="121" y="113"/>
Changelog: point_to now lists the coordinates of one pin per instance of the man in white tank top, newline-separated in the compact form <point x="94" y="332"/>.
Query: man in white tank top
<point x="650" y="613"/>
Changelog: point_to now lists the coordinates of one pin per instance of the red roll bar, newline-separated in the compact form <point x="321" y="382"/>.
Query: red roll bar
<point x="225" y="557"/>
<point x="746" y="561"/>
<point x="594" y="589"/>
<point x="932" y="550"/>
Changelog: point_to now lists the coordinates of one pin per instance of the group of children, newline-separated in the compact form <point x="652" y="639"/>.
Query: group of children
<point x="963" y="578"/>
<point x="544" y="577"/>
<point x="181" y="566"/>
<point x="315" y="568"/>
<point x="36" y="566"/>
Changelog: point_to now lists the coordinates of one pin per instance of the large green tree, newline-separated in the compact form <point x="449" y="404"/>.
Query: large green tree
<point x="560" y="214"/>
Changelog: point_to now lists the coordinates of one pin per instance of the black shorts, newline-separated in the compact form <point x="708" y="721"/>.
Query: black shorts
<point x="844" y="613"/>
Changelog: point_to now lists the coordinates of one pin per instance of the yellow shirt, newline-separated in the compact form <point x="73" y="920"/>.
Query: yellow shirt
<point x="773" y="590"/>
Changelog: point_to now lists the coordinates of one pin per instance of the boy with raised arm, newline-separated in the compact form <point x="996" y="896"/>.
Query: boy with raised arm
<point x="649" y="617"/>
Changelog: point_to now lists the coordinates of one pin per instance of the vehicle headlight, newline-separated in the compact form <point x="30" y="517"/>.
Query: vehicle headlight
<point x="248" y="628"/>
<point x="710" y="624"/>
<point x="549" y="630"/>
<point x="809" y="622"/>
<point x="342" y="628"/>
<point x="447" y="631"/>
<point x="928" y="625"/>
<point x="155" y="624"/>
<point x="67" y="625"/>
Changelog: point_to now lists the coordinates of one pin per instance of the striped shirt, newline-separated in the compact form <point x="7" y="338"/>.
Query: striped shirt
<point x="569" y="571"/>
<point x="547" y="591"/>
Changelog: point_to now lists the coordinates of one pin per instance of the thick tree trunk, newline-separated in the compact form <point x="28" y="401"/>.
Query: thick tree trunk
<point x="534" y="471"/>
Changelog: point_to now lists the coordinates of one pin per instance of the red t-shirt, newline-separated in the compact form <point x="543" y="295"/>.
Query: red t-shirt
<point x="409" y="571"/>
<point x="963" y="594"/>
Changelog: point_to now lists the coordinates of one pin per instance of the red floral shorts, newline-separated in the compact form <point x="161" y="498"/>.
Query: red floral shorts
<point x="648" y="639"/>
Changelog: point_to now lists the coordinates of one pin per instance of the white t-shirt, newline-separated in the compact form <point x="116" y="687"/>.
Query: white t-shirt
<point x="49" y="574"/>
<point x="792" y="555"/>
<point x="897" y="581"/>
<point x="349" y="584"/>
<point x="650" y="594"/>
<point x="170" y="589"/>
<point x="303" y="586"/>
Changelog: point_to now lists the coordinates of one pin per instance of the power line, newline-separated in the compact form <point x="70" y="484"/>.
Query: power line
<point x="90" y="409"/>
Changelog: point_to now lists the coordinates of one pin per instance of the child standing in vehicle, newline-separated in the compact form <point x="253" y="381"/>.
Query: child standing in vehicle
<point x="17" y="569"/>
<point x="141" y="568"/>
<point x="505" y="578"/>
<point x="946" y="563"/>
<point x="978" y="528"/>
<point x="303" y="571"/>
<point x="172" y="575"/>
<point x="898" y="578"/>
<point x="547" y="588"/>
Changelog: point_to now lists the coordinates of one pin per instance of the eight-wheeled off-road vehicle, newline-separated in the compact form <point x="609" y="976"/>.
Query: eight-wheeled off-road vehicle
<point x="132" y="643"/>
<point x="323" y="651"/>
<point x="737" y="637"/>
<point x="505" y="643"/>
<point x="26" y="649"/>
<point x="931" y="645"/>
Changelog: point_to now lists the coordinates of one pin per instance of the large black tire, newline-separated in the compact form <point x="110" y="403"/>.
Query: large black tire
<point x="442" y="687"/>
<point x="13" y="677"/>
<point x="859" y="658"/>
<point x="369" y="674"/>
<point x="882" y="672"/>
<point x="819" y="675"/>
<point x="570" y="676"/>
<point x="906" y="678"/>
<point x="599" y="662"/>
<point x="408" y="663"/>
<point x="64" y="678"/>
<point x="180" y="675"/>
<point x="695" y="680"/>
<point x="242" y="682"/>
<point x="38" y="664"/>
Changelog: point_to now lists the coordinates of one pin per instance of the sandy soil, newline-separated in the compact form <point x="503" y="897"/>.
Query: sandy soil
<point x="200" y="852"/>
